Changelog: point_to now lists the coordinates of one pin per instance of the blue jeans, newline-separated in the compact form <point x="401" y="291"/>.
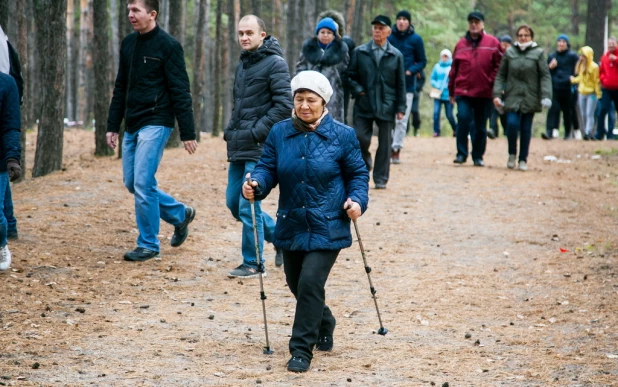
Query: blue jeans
<point x="4" y="182"/>
<point x="609" y="101"/>
<point x="141" y="155"/>
<point x="241" y="210"/>
<point x="11" y="222"/>
<point x="518" y="123"/>
<point x="472" y="115"/>
<point x="448" y="110"/>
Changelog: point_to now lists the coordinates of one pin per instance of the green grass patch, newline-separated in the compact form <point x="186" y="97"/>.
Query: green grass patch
<point x="607" y="152"/>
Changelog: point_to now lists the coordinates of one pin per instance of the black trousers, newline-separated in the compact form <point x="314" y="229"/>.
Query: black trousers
<point x="306" y="273"/>
<point x="364" y="131"/>
<point x="561" y="101"/>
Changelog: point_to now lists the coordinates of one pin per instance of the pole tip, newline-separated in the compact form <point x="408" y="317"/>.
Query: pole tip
<point x="268" y="351"/>
<point x="382" y="331"/>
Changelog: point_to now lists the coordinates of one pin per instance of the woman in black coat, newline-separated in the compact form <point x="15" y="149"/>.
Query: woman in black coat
<point x="328" y="54"/>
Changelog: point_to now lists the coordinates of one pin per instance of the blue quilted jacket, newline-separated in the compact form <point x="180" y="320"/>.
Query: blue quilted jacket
<point x="316" y="172"/>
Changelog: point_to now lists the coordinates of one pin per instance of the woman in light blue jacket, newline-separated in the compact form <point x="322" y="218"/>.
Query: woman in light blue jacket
<point x="439" y="85"/>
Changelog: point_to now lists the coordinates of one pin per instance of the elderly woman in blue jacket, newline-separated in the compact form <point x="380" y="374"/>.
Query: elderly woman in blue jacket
<point x="323" y="183"/>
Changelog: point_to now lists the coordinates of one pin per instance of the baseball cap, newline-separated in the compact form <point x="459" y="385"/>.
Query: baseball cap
<point x="476" y="15"/>
<point x="381" y="19"/>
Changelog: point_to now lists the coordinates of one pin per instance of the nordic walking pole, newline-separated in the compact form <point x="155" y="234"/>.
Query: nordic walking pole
<point x="382" y="331"/>
<point x="260" y="270"/>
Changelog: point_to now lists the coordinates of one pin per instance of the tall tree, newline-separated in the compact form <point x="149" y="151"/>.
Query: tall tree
<point x="22" y="50"/>
<point x="101" y="76"/>
<point x="575" y="17"/>
<point x="230" y="57"/>
<point x="199" y="61"/>
<point x="32" y="82"/>
<point x="595" y="26"/>
<point x="358" y="22"/>
<point x="291" y="34"/>
<point x="216" y="114"/>
<point x="177" y="21"/>
<point x="50" y="19"/>
<point x="115" y="43"/>
<point x="70" y="73"/>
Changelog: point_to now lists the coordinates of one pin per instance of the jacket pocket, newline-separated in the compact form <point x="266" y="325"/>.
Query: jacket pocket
<point x="285" y="226"/>
<point x="153" y="67"/>
<point x="338" y="225"/>
<point x="364" y="103"/>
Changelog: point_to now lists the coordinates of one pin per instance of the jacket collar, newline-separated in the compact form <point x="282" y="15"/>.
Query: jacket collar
<point x="368" y="48"/>
<point x="323" y="130"/>
<point x="149" y="35"/>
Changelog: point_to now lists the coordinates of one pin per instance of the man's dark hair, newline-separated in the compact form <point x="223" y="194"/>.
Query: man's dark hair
<point x="259" y="21"/>
<point x="150" y="5"/>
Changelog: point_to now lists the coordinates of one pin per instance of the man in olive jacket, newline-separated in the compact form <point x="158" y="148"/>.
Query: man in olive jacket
<point x="151" y="89"/>
<point x="262" y="97"/>
<point x="377" y="79"/>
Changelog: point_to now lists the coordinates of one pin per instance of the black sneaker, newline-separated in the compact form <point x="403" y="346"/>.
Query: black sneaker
<point x="278" y="257"/>
<point x="244" y="271"/>
<point x="181" y="232"/>
<point x="479" y="163"/>
<point x="325" y="343"/>
<point x="459" y="160"/>
<point x="140" y="254"/>
<point x="491" y="134"/>
<point x="12" y="235"/>
<point x="298" y="364"/>
<point x="545" y="136"/>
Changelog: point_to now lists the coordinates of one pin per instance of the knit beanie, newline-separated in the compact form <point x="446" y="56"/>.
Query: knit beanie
<point x="313" y="81"/>
<point x="563" y="37"/>
<point x="506" y="38"/>
<point x="404" y="13"/>
<point x="328" y="23"/>
<point x="446" y="52"/>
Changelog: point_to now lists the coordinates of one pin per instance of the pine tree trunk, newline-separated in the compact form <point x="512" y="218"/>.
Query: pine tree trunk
<point x="199" y="62"/>
<point x="4" y="15"/>
<point x="216" y="114"/>
<point x="69" y="109"/>
<point x="22" y="50"/>
<point x="81" y="66"/>
<point x="357" y="29"/>
<point x="50" y="20"/>
<point x="575" y="17"/>
<point x="595" y="26"/>
<point x="230" y="56"/>
<point x="32" y="84"/>
<point x="113" y="14"/>
<point x="176" y="29"/>
<point x="292" y="27"/>
<point x="101" y="76"/>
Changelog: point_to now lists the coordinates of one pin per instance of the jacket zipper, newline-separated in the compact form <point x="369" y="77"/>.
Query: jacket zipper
<point x="149" y="57"/>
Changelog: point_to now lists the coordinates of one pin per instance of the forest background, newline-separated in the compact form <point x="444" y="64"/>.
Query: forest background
<point x="69" y="49"/>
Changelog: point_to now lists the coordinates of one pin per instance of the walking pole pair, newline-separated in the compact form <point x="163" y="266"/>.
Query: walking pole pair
<point x="382" y="331"/>
<point x="260" y="270"/>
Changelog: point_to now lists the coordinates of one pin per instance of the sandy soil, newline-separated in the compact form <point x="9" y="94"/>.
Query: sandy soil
<point x="485" y="277"/>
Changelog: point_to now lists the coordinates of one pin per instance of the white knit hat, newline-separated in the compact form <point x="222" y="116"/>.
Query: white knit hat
<point x="313" y="81"/>
<point x="446" y="52"/>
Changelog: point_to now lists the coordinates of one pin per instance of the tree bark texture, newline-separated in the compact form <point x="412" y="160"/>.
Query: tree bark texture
<point x="115" y="42"/>
<point x="575" y="17"/>
<point x="216" y="114"/>
<point x="32" y="82"/>
<point x="199" y="62"/>
<point x="50" y="20"/>
<point x="357" y="26"/>
<point x="22" y="49"/>
<point x="595" y="26"/>
<point x="291" y="31"/>
<point x="4" y="15"/>
<point x="101" y="77"/>
<point x="177" y="30"/>
<point x="85" y="63"/>
<point x="230" y="57"/>
<point x="70" y="73"/>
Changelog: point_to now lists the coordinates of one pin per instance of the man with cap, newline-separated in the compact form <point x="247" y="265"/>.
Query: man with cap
<point x="561" y="67"/>
<point x="505" y="42"/>
<point x="476" y="60"/>
<point x="410" y="44"/>
<point x="376" y="76"/>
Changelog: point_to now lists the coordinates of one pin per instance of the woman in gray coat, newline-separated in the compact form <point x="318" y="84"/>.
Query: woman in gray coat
<point x="524" y="82"/>
<point x="328" y="54"/>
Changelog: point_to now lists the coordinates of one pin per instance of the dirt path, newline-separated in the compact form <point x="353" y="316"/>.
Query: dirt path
<point x="472" y="283"/>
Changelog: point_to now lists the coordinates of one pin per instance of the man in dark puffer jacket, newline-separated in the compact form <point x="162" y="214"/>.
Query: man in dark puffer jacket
<point x="152" y="87"/>
<point x="262" y="97"/>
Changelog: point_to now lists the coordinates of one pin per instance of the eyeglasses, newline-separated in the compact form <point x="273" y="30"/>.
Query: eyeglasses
<point x="523" y="36"/>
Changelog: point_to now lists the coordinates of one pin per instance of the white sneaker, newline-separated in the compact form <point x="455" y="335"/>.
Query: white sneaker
<point x="523" y="166"/>
<point x="5" y="258"/>
<point x="511" y="163"/>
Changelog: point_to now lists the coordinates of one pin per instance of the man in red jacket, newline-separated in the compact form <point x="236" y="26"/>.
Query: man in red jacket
<point x="609" y="86"/>
<point x="476" y="59"/>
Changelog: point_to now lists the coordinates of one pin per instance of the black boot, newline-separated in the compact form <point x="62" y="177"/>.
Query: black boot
<point x="181" y="232"/>
<point x="298" y="364"/>
<point x="140" y="254"/>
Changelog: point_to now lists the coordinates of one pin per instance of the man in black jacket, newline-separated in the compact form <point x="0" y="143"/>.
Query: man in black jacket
<point x="376" y="76"/>
<point x="10" y="148"/>
<point x="561" y="66"/>
<point x="262" y="97"/>
<point x="151" y="89"/>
